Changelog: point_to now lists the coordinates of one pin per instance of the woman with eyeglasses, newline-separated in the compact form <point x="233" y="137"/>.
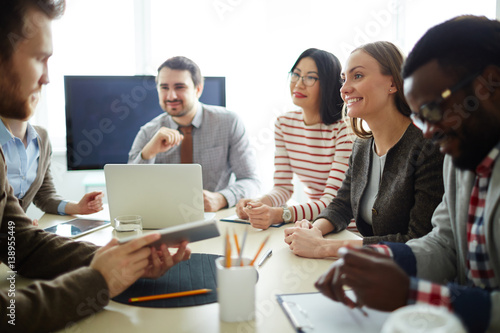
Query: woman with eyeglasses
<point x="394" y="181"/>
<point x="313" y="143"/>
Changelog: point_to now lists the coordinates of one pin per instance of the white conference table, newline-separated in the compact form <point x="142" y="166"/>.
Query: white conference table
<point x="283" y="272"/>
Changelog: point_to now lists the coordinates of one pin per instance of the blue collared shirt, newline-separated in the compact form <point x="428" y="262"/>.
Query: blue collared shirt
<point x="22" y="162"/>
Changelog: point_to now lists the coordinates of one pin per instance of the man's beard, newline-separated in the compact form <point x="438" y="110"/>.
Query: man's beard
<point x="186" y="108"/>
<point x="477" y="139"/>
<point x="12" y="104"/>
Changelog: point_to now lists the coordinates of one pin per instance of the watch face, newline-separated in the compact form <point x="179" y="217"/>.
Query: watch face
<point x="287" y="215"/>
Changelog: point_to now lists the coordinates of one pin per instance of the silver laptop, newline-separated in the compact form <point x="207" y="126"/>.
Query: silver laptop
<point x="164" y="195"/>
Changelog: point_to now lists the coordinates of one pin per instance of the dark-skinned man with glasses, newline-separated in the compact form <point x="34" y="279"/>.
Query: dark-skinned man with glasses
<point x="452" y="83"/>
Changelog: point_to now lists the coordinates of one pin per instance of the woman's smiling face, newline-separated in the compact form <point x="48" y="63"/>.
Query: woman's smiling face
<point x="366" y="90"/>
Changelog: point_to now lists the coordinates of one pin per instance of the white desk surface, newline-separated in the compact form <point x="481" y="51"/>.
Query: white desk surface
<point x="284" y="272"/>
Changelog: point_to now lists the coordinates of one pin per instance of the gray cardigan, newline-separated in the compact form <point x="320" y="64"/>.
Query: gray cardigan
<point x="42" y="191"/>
<point x="411" y="188"/>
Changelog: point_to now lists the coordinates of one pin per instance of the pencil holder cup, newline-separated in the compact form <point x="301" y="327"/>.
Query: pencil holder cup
<point x="236" y="290"/>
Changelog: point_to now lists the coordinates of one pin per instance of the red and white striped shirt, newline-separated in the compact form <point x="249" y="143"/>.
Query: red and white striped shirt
<point x="318" y="155"/>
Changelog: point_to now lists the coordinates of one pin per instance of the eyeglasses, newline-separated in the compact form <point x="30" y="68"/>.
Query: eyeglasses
<point x="432" y="112"/>
<point x="308" y="80"/>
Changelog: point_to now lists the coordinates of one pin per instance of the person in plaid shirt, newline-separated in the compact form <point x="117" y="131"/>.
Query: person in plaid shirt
<point x="452" y="84"/>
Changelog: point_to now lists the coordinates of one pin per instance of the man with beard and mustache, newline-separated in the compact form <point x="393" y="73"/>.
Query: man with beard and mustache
<point x="217" y="137"/>
<point x="27" y="151"/>
<point x="452" y="84"/>
<point x="77" y="278"/>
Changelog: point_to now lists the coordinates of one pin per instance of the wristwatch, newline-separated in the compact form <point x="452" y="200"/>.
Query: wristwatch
<point x="287" y="215"/>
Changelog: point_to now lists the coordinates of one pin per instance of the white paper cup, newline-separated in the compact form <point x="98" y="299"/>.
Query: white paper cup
<point x="422" y="318"/>
<point x="128" y="223"/>
<point x="236" y="290"/>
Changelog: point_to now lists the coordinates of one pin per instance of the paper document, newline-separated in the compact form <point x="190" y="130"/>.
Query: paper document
<point x="314" y="312"/>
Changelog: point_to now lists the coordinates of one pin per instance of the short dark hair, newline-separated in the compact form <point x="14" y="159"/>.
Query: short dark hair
<point x="462" y="45"/>
<point x="184" y="64"/>
<point x="329" y="70"/>
<point x="13" y="21"/>
<point x="390" y="58"/>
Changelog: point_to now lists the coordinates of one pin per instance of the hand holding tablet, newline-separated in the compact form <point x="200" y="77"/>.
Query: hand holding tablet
<point x="191" y="232"/>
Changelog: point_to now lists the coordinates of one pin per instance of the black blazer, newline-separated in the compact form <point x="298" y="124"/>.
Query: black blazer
<point x="410" y="190"/>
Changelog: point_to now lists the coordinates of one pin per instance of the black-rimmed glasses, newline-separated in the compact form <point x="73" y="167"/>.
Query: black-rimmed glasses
<point x="308" y="80"/>
<point x="432" y="112"/>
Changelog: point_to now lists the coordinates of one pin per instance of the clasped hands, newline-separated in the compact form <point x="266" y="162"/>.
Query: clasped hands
<point x="259" y="214"/>
<point x="306" y="240"/>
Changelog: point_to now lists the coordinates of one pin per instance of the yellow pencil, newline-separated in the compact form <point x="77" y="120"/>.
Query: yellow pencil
<point x="228" y="251"/>
<point x="260" y="249"/>
<point x="237" y="243"/>
<point x="170" y="295"/>
<point x="240" y="257"/>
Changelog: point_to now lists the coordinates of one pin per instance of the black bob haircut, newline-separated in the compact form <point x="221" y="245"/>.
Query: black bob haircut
<point x="329" y="70"/>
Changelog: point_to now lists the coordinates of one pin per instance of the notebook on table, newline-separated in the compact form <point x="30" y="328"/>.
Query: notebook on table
<point x="235" y="219"/>
<point x="164" y="195"/>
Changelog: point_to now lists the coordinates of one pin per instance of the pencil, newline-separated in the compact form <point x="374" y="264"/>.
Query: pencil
<point x="260" y="249"/>
<point x="228" y="251"/>
<point x="236" y="242"/>
<point x="243" y="245"/>
<point x="170" y="295"/>
<point x="225" y="249"/>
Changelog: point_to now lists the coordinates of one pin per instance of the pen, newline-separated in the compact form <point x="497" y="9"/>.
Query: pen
<point x="342" y="251"/>
<point x="357" y="306"/>
<point x="362" y="311"/>
<point x="265" y="257"/>
<point x="170" y="295"/>
<point x="260" y="249"/>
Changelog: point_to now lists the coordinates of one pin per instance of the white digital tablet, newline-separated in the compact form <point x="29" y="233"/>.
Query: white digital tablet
<point x="191" y="232"/>
<point x="77" y="227"/>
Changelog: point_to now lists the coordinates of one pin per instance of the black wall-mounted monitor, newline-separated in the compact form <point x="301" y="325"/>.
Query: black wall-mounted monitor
<point x="105" y="113"/>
